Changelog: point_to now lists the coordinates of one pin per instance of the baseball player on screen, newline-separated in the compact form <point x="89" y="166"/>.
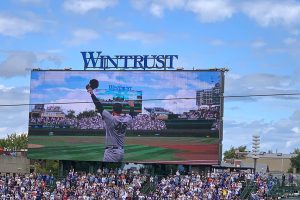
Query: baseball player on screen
<point x="115" y="128"/>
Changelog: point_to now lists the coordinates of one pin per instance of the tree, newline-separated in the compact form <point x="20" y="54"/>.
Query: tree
<point x="296" y="151"/>
<point x="15" y="142"/>
<point x="47" y="167"/>
<point x="71" y="114"/>
<point x="232" y="152"/>
<point x="86" y="114"/>
<point x="295" y="162"/>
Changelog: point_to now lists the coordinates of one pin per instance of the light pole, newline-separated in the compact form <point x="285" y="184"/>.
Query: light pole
<point x="255" y="149"/>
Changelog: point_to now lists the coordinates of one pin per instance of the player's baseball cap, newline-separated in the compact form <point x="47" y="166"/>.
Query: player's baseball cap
<point x="117" y="108"/>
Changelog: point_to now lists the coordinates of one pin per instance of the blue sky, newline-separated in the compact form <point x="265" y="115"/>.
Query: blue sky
<point x="259" y="41"/>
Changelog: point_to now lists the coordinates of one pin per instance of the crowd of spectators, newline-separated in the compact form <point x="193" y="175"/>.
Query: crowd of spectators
<point x="145" y="122"/>
<point x="95" y="122"/>
<point x="216" y="186"/>
<point x="27" y="186"/>
<point x="139" y="122"/>
<point x="55" y="122"/>
<point x="203" y="113"/>
<point x="128" y="184"/>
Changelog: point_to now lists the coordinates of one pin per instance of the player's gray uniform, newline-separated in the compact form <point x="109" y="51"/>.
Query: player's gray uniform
<point x="115" y="127"/>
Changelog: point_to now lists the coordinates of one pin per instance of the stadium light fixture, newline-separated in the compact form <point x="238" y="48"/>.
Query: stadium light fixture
<point x="255" y="149"/>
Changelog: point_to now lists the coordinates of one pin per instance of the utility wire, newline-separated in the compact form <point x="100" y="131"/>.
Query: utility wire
<point x="262" y="95"/>
<point x="166" y="99"/>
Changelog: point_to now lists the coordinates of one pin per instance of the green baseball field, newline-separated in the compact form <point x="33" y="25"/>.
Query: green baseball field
<point x="158" y="149"/>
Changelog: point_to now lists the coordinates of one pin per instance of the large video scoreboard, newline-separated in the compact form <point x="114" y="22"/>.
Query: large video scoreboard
<point x="176" y="117"/>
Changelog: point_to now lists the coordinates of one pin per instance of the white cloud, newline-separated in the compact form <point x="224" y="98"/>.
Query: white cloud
<point x="111" y="23"/>
<point x="290" y="45"/>
<point x="207" y="11"/>
<point x="13" y="119"/>
<point x="69" y="95"/>
<point x="143" y="37"/>
<point x="48" y="77"/>
<point x="296" y="115"/>
<point x="180" y="105"/>
<point x="291" y="41"/>
<point x="156" y="10"/>
<point x="217" y="42"/>
<point x="296" y="129"/>
<point x="38" y="96"/>
<point x="280" y="133"/>
<point x="292" y="144"/>
<point x="172" y="4"/>
<point x="77" y="107"/>
<point x="84" y="6"/>
<point x="233" y="76"/>
<point x="294" y="32"/>
<point x="265" y="13"/>
<point x="139" y="5"/>
<point x="3" y="129"/>
<point x="276" y="135"/>
<point x="82" y="36"/>
<point x="258" y="44"/>
<point x="261" y="83"/>
<point x="211" y="11"/>
<point x="16" y="27"/>
<point x="14" y="122"/>
<point x="268" y="13"/>
<point x="157" y="7"/>
<point x="54" y="51"/>
<point x="4" y="88"/>
<point x="18" y="63"/>
<point x="13" y="95"/>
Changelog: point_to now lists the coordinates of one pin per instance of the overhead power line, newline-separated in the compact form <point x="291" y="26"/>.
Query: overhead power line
<point x="262" y="95"/>
<point x="159" y="99"/>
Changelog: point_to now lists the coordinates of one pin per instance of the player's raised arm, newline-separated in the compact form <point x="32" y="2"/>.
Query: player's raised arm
<point x="97" y="103"/>
<point x="93" y="84"/>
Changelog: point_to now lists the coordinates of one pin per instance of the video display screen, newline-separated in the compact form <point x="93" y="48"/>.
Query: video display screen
<point x="170" y="117"/>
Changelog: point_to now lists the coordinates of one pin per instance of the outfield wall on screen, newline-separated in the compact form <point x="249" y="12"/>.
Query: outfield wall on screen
<point x="176" y="116"/>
